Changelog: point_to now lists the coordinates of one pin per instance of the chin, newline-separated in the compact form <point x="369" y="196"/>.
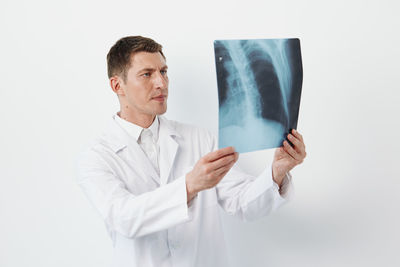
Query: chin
<point x="161" y="111"/>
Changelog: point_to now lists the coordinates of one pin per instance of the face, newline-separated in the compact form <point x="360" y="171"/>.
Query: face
<point x="146" y="87"/>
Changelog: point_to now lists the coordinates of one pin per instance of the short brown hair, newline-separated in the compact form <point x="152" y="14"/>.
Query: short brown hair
<point x="119" y="56"/>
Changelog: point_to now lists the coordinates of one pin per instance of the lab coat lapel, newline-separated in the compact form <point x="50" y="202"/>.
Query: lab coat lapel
<point x="143" y="160"/>
<point x="168" y="149"/>
<point x="119" y="139"/>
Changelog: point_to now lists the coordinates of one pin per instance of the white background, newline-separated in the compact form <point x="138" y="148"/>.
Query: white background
<point x="55" y="97"/>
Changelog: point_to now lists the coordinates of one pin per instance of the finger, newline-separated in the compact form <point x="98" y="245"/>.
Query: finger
<point x="224" y="169"/>
<point x="298" y="135"/>
<point x="291" y="151"/>
<point x="219" y="153"/>
<point x="298" y="145"/>
<point x="223" y="161"/>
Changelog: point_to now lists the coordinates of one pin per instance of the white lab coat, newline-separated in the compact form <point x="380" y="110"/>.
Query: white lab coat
<point x="147" y="216"/>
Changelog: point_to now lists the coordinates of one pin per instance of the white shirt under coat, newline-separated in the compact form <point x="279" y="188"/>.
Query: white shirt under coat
<point x="146" y="212"/>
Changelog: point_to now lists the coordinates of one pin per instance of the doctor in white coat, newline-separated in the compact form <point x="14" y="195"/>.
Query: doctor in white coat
<point x="157" y="183"/>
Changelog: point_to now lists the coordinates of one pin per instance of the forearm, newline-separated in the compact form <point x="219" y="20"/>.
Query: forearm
<point x="251" y="197"/>
<point x="135" y="216"/>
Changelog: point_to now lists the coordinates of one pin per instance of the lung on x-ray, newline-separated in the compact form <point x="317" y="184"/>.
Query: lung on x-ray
<point x="259" y="89"/>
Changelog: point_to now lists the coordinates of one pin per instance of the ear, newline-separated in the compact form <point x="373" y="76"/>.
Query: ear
<point x="115" y="83"/>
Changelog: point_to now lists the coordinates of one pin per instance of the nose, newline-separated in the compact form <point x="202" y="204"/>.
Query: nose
<point x="160" y="80"/>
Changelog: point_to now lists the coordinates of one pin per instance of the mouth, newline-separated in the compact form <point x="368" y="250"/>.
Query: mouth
<point x="160" y="98"/>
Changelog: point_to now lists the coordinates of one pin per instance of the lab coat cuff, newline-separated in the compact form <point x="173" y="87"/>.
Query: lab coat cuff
<point x="187" y="208"/>
<point x="285" y="192"/>
<point x="261" y="184"/>
<point x="286" y="189"/>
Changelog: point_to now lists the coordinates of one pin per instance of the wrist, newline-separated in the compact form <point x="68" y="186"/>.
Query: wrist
<point x="190" y="189"/>
<point x="278" y="175"/>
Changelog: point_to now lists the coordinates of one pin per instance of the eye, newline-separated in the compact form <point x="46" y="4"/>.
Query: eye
<point x="163" y="72"/>
<point x="147" y="74"/>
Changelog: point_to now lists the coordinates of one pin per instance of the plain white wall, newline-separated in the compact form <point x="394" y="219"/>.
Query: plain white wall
<point x="55" y="97"/>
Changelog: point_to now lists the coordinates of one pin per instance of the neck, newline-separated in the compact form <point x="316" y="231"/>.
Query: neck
<point x="143" y="120"/>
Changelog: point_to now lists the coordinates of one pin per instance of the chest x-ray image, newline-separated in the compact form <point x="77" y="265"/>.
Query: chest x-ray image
<point x="259" y="89"/>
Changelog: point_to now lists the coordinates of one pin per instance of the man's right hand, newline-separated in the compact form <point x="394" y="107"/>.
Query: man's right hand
<point x="209" y="170"/>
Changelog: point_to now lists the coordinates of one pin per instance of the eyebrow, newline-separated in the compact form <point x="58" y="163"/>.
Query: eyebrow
<point x="152" y="69"/>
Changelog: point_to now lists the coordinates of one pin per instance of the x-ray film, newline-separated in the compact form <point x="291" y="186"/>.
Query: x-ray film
<point x="259" y="89"/>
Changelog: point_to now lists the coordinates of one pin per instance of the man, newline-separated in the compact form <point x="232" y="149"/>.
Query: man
<point x="158" y="183"/>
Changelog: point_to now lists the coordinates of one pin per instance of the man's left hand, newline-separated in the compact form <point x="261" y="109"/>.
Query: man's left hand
<point x="287" y="157"/>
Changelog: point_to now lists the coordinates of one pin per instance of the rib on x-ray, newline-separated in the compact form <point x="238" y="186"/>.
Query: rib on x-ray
<point x="259" y="89"/>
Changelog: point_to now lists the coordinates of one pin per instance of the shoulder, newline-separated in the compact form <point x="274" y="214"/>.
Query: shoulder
<point x="97" y="154"/>
<point x="93" y="152"/>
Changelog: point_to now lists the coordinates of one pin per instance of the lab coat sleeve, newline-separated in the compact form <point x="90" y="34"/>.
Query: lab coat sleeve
<point x="250" y="197"/>
<point x="128" y="214"/>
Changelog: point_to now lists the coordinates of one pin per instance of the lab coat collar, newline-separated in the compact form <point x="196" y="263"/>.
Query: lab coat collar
<point x="135" y="130"/>
<point x="132" y="129"/>
<point x="167" y="126"/>
<point x="118" y="139"/>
